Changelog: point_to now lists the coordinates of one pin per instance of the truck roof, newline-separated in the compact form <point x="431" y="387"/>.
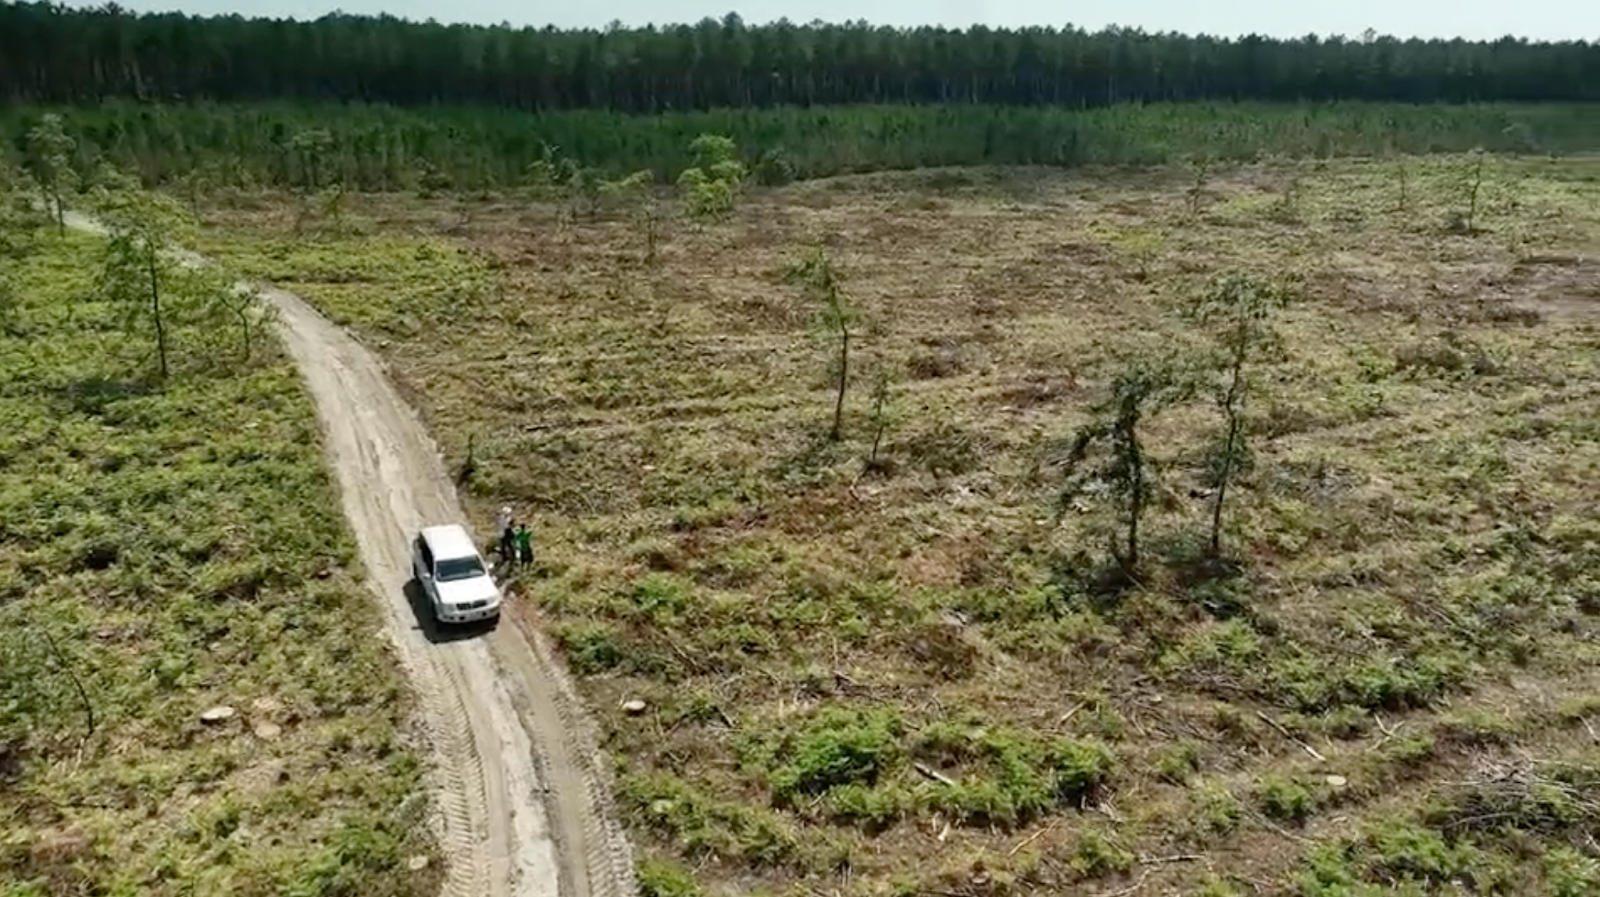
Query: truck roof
<point x="449" y="540"/>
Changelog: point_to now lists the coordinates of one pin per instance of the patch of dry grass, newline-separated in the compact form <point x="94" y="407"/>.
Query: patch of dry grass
<point x="880" y="683"/>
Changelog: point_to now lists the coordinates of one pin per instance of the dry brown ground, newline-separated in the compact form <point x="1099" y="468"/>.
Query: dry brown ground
<point x="817" y="648"/>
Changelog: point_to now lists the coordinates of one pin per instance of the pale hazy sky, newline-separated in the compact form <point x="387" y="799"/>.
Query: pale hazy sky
<point x="1473" y="19"/>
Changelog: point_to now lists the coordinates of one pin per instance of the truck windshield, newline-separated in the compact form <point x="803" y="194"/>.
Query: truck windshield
<point x="452" y="569"/>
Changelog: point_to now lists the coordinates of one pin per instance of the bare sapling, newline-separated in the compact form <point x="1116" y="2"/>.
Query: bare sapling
<point x="1402" y="179"/>
<point x="66" y="668"/>
<point x="1474" y="189"/>
<point x="1199" y="169"/>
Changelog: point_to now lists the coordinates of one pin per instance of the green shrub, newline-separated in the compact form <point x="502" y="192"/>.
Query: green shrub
<point x="662" y="878"/>
<point x="1284" y="798"/>
<point x="659" y="596"/>
<point x="839" y="746"/>
<point x="1097" y="854"/>
<point x="1015" y="776"/>
<point x="1570" y="873"/>
<point x="702" y="825"/>
<point x="874" y="809"/>
<point x="590" y="647"/>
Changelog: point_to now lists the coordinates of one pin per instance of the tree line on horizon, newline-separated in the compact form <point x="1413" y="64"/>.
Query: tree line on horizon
<point x="53" y="54"/>
<point x="377" y="147"/>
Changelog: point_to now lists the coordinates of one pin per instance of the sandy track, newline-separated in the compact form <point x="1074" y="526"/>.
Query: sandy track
<point x="521" y="794"/>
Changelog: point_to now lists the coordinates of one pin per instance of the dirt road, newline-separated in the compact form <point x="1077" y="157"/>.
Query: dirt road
<point x="523" y="806"/>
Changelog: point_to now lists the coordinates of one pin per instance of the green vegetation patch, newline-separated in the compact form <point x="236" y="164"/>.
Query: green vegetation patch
<point x="869" y="768"/>
<point x="167" y="548"/>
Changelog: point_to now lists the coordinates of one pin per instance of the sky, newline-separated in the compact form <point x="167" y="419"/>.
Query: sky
<point x="1472" y="19"/>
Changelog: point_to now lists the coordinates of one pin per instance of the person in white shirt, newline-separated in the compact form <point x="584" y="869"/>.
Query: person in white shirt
<point x="503" y="522"/>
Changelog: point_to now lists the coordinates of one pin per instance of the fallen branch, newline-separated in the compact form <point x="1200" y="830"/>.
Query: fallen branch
<point x="1175" y="858"/>
<point x="1070" y="713"/>
<point x="72" y="676"/>
<point x="1264" y="821"/>
<point x="1285" y="733"/>
<point x="1030" y="839"/>
<point x="1130" y="888"/>
<point x="934" y="774"/>
<point x="1389" y="732"/>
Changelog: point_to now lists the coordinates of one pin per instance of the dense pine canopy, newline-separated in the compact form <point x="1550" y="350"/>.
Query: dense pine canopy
<point x="50" y="54"/>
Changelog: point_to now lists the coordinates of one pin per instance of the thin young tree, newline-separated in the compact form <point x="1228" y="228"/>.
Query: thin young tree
<point x="1144" y="387"/>
<point x="649" y="221"/>
<point x="33" y="692"/>
<point x="1238" y="310"/>
<point x="546" y="174"/>
<point x="50" y="150"/>
<point x="821" y="283"/>
<point x="139" y="271"/>
<point x="883" y="415"/>
<point x="1472" y="188"/>
<point x="198" y="182"/>
<point x="1402" y="176"/>
<point x="1199" y="169"/>
<point x="582" y="186"/>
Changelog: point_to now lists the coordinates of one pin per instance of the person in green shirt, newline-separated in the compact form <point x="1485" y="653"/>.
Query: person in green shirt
<point x="524" y="537"/>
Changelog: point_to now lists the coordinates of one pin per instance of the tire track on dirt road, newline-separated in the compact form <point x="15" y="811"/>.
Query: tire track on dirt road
<point x="521" y="796"/>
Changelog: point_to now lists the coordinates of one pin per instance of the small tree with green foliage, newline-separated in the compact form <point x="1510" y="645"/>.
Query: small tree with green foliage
<point x="1144" y="387"/>
<point x="1288" y="207"/>
<point x="584" y="188"/>
<point x="309" y="149"/>
<point x="817" y="277"/>
<point x="50" y="150"/>
<point x="543" y="175"/>
<point x="627" y="190"/>
<point x="774" y="169"/>
<point x="431" y="179"/>
<point x="583" y="191"/>
<point x="711" y="188"/>
<point x="140" y="274"/>
<point x="1238" y="310"/>
<point x="198" y="181"/>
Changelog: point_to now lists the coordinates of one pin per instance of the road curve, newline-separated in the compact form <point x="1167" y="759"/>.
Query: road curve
<point x="522" y="796"/>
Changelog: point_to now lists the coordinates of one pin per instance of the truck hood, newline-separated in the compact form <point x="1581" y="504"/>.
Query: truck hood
<point x="464" y="591"/>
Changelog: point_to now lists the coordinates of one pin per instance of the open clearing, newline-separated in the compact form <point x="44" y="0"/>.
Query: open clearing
<point x="877" y="684"/>
<point x="166" y="551"/>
